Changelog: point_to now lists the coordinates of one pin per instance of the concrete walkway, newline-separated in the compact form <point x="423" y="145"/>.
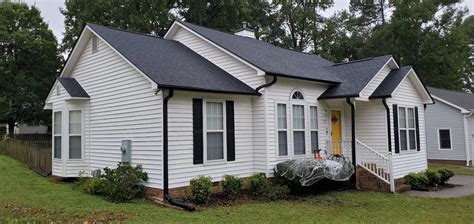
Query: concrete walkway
<point x="466" y="189"/>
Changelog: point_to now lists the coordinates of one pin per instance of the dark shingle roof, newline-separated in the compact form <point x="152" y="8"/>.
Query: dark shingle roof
<point x="464" y="100"/>
<point x="269" y="58"/>
<point x="390" y="83"/>
<point x="355" y="75"/>
<point x="73" y="87"/>
<point x="171" y="64"/>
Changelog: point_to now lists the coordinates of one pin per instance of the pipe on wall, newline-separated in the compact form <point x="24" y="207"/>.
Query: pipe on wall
<point x="389" y="132"/>
<point x="166" y="195"/>
<point x="353" y="135"/>
<point x="466" y="139"/>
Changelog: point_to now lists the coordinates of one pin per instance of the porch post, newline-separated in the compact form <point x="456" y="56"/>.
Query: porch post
<point x="354" y="162"/>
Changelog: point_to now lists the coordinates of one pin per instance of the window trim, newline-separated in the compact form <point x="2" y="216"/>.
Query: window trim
<point x="304" y="130"/>
<point x="311" y="130"/>
<point x="450" y="140"/>
<point x="69" y="135"/>
<point x="205" y="131"/>
<point x="57" y="135"/>
<point x="279" y="129"/>
<point x="407" y="129"/>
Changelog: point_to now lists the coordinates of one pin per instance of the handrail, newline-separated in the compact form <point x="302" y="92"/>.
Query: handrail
<point x="372" y="150"/>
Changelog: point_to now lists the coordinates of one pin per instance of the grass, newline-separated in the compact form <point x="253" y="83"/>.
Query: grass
<point x="25" y="196"/>
<point x="458" y="170"/>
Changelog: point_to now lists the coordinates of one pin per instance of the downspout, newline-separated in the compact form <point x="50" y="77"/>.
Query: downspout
<point x="266" y="85"/>
<point x="389" y="132"/>
<point x="466" y="139"/>
<point x="351" y="104"/>
<point x="166" y="195"/>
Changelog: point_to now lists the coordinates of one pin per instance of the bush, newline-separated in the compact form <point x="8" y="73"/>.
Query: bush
<point x="201" y="188"/>
<point x="258" y="184"/>
<point x="91" y="185"/>
<point x="124" y="183"/>
<point x="433" y="176"/>
<point x="231" y="186"/>
<point x="445" y="175"/>
<point x="276" y="192"/>
<point x="417" y="181"/>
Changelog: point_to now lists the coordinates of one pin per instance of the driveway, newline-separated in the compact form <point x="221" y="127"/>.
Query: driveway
<point x="466" y="189"/>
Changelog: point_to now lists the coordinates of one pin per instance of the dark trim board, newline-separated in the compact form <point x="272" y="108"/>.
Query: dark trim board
<point x="449" y="162"/>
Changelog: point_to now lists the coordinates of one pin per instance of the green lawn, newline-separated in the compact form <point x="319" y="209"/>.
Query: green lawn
<point x="458" y="170"/>
<point x="26" y="196"/>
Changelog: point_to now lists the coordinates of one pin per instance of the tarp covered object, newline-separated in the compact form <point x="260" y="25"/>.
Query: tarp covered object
<point x="308" y="171"/>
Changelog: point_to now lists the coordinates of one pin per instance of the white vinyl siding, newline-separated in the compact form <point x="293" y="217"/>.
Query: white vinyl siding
<point x="214" y="139"/>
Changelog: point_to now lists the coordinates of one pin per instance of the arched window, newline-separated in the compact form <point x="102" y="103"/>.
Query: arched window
<point x="297" y="95"/>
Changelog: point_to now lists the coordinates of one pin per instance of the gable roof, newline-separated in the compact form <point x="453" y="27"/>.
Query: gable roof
<point x="169" y="63"/>
<point x="73" y="87"/>
<point x="391" y="82"/>
<point x="464" y="100"/>
<point x="355" y="75"/>
<point x="267" y="57"/>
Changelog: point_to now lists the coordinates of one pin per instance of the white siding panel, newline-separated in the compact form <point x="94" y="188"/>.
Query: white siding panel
<point x="228" y="63"/>
<point x="443" y="116"/>
<point x="375" y="82"/>
<point x="406" y="162"/>
<point x="122" y="107"/>
<point x="181" y="167"/>
<point x="371" y="128"/>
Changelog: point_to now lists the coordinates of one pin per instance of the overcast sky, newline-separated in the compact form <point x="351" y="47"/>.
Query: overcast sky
<point x="50" y="12"/>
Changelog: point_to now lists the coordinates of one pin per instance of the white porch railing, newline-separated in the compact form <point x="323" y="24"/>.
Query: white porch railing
<point x="341" y="147"/>
<point x="375" y="162"/>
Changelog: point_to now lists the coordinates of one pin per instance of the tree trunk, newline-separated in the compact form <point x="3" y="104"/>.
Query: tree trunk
<point x="11" y="127"/>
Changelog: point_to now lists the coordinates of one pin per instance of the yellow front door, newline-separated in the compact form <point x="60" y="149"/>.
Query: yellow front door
<point x="336" y="132"/>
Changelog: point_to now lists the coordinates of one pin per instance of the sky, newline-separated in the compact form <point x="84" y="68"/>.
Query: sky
<point x="51" y="14"/>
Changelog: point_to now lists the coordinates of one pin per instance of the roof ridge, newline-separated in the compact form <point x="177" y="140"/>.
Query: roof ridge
<point x="453" y="91"/>
<point x="262" y="41"/>
<point x="360" y="60"/>
<point x="127" y="31"/>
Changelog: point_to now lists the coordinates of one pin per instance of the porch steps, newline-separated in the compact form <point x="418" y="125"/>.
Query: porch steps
<point x="368" y="181"/>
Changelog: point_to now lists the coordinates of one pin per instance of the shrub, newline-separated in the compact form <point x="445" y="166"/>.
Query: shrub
<point x="433" y="176"/>
<point x="124" y="183"/>
<point x="201" y="188"/>
<point x="445" y="175"/>
<point x="276" y="192"/>
<point x="91" y="185"/>
<point x="258" y="184"/>
<point x="231" y="186"/>
<point x="417" y="181"/>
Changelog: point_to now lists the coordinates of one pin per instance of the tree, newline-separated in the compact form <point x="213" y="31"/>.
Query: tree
<point x="226" y="15"/>
<point x="427" y="35"/>
<point x="146" y="16"/>
<point x="468" y="27"/>
<point x="29" y="63"/>
<point x="369" y="12"/>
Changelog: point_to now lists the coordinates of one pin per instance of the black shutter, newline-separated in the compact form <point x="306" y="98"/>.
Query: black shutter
<point x="230" y="130"/>
<point x="417" y="126"/>
<point x="395" y="128"/>
<point x="197" y="132"/>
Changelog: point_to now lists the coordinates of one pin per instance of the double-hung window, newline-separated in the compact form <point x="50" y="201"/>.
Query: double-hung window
<point x="444" y="136"/>
<point x="313" y="118"/>
<point x="57" y="134"/>
<point x="214" y="131"/>
<point x="407" y="128"/>
<point x="282" y="130"/>
<point x="299" y="143"/>
<point x="75" y="134"/>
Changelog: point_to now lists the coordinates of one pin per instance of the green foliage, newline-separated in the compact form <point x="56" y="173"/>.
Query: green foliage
<point x="417" y="181"/>
<point x="445" y="175"/>
<point x="276" y="192"/>
<point x="124" y="183"/>
<point x="433" y="176"/>
<point x="201" y="189"/>
<point x="29" y="62"/>
<point x="231" y="186"/>
<point x="91" y="185"/>
<point x="258" y="184"/>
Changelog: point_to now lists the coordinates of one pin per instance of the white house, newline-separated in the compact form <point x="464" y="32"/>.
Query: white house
<point x="450" y="127"/>
<point x="204" y="102"/>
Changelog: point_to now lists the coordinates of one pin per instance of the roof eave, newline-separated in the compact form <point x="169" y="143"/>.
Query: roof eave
<point x="185" y="88"/>
<point x="302" y="78"/>
<point x="337" y="97"/>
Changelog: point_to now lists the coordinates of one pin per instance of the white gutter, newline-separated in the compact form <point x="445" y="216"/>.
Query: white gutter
<point x="466" y="139"/>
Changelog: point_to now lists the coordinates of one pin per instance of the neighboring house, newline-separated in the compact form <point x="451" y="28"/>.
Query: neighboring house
<point x="204" y="102"/>
<point x="30" y="129"/>
<point x="450" y="127"/>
